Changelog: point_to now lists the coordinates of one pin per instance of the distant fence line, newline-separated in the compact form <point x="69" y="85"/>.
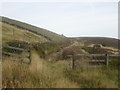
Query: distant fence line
<point x="106" y="60"/>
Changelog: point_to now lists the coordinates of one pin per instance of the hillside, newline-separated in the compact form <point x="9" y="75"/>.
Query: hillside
<point x="110" y="42"/>
<point x="50" y="36"/>
<point x="42" y="35"/>
<point x="50" y="65"/>
<point x="10" y="33"/>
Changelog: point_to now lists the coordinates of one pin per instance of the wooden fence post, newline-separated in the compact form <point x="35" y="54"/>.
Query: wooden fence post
<point x="13" y="34"/>
<point x="73" y="61"/>
<point x="107" y="59"/>
<point x="30" y="56"/>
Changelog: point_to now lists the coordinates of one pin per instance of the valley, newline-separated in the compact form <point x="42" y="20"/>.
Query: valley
<point x="50" y="65"/>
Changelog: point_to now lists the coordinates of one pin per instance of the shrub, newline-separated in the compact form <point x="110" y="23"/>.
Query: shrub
<point x="97" y="46"/>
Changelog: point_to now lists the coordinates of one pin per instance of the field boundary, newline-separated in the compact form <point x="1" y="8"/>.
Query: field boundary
<point x="17" y="55"/>
<point x="105" y="61"/>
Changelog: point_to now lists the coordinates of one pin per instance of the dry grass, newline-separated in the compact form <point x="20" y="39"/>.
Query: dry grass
<point x="46" y="74"/>
<point x="94" y="77"/>
<point x="0" y="75"/>
<point x="40" y="74"/>
<point x="19" y="34"/>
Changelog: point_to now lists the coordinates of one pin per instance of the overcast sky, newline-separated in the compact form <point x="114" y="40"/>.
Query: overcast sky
<point x="73" y="19"/>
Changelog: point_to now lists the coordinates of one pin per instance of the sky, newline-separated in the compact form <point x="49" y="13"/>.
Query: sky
<point x="72" y="19"/>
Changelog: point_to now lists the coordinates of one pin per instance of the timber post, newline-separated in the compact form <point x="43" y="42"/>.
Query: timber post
<point x="73" y="61"/>
<point x="13" y="34"/>
<point x="107" y="59"/>
<point x="30" y="56"/>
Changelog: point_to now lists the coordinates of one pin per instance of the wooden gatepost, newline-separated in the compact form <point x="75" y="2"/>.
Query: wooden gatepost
<point x="107" y="59"/>
<point x="73" y="61"/>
